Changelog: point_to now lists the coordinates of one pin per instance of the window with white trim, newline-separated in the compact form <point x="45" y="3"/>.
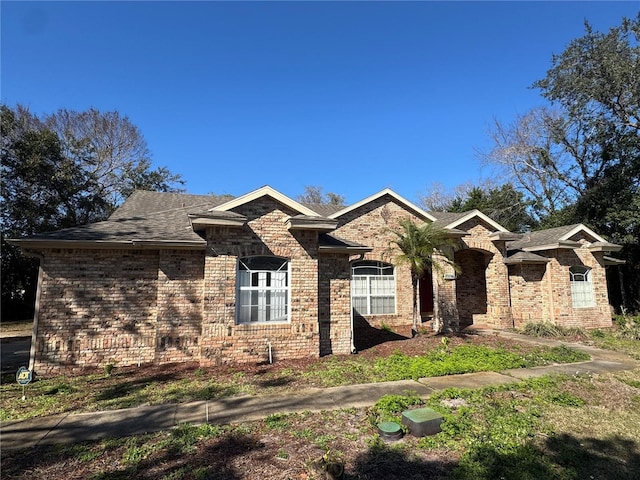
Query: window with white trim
<point x="581" y="287"/>
<point x="373" y="287"/>
<point x="262" y="289"/>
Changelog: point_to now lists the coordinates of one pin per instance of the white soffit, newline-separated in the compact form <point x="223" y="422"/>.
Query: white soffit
<point x="391" y="193"/>
<point x="265" y="191"/>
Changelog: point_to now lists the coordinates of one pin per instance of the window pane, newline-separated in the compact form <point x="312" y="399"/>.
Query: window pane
<point x="262" y="293"/>
<point x="360" y="305"/>
<point x="244" y="278"/>
<point x="581" y="287"/>
<point x="359" y="286"/>
<point x="373" y="288"/>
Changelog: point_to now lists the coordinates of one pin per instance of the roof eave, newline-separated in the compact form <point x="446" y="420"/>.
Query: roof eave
<point x="318" y="224"/>
<point x="261" y="192"/>
<point x="604" y="247"/>
<point x="504" y="236"/>
<point x="613" y="261"/>
<point x="26" y="243"/>
<point x="455" y="233"/>
<point x="353" y="250"/>
<point x="525" y="261"/>
<point x="380" y="194"/>
<point x="582" y="228"/>
<point x="563" y="245"/>
<point x="479" y="214"/>
<point x="203" y="222"/>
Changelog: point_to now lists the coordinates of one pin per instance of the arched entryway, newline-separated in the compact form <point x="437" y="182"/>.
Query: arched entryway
<point x="471" y="284"/>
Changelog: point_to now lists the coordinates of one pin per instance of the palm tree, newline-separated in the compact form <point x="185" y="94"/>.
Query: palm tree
<point x="418" y="246"/>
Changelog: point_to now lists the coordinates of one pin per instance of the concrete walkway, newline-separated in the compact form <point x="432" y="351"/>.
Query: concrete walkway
<point x="80" y="427"/>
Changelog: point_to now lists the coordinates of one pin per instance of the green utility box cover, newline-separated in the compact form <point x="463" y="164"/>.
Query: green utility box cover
<point x="422" y="421"/>
<point x="390" y="431"/>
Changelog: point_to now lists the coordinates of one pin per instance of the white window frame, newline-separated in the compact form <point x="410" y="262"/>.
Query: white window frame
<point x="581" y="287"/>
<point x="263" y="294"/>
<point x="373" y="294"/>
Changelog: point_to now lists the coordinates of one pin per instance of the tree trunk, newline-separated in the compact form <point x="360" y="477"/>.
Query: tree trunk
<point x="414" y="284"/>
<point x="437" y="318"/>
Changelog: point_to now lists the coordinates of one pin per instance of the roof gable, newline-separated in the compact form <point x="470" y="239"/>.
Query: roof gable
<point x="580" y="228"/>
<point x="401" y="200"/>
<point x="559" y="237"/>
<point x="269" y="192"/>
<point x="454" y="220"/>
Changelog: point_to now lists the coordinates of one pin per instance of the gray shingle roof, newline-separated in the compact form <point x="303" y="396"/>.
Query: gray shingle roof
<point x="152" y="217"/>
<point x="164" y="226"/>
<point x="142" y="203"/>
<point x="445" y="218"/>
<point x="525" y="257"/>
<point x="328" y="241"/>
<point x="323" y="210"/>
<point x="145" y="217"/>
<point x="541" y="237"/>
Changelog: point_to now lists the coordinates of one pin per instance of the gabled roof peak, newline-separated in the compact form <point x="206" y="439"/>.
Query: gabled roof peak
<point x="455" y="219"/>
<point x="266" y="191"/>
<point x="380" y="194"/>
<point x="558" y="237"/>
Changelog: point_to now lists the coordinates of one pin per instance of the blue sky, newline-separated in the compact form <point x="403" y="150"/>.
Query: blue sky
<point x="350" y="96"/>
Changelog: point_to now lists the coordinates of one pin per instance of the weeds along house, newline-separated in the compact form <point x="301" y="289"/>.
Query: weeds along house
<point x="174" y="277"/>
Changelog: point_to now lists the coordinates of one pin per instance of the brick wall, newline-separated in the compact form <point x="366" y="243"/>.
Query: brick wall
<point x="223" y="339"/>
<point x="559" y="287"/>
<point x="542" y="293"/>
<point x="529" y="301"/>
<point x="334" y="302"/>
<point x="471" y="284"/>
<point x="370" y="225"/>
<point x="118" y="306"/>
<point x="96" y="307"/>
<point x="482" y="287"/>
<point x="179" y="317"/>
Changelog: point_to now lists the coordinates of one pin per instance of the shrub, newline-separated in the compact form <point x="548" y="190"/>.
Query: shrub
<point x="629" y="331"/>
<point x="386" y="328"/>
<point x="542" y="329"/>
<point x="108" y="368"/>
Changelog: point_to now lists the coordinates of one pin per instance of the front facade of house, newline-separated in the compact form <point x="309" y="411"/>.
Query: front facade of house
<point x="175" y="277"/>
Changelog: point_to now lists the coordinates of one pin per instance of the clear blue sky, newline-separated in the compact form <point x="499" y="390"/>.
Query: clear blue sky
<point x="350" y="96"/>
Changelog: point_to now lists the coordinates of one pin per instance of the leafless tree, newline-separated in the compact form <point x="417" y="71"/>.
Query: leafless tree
<point x="112" y="150"/>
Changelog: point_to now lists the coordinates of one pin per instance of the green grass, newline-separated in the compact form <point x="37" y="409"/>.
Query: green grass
<point x="469" y="359"/>
<point x="496" y="428"/>
<point x="105" y="392"/>
<point x="277" y="421"/>
<point x="557" y="427"/>
<point x="444" y="361"/>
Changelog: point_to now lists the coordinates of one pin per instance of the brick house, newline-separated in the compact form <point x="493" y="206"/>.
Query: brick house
<point x="175" y="277"/>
